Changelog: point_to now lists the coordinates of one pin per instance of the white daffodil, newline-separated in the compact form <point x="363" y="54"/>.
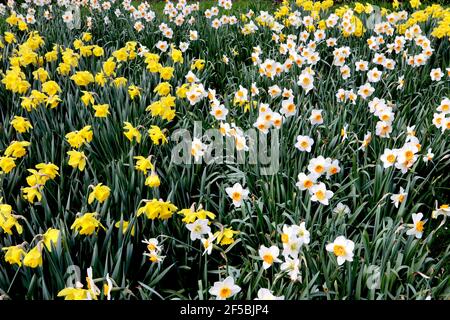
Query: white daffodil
<point x="304" y="143"/>
<point x="292" y="267"/>
<point x="443" y="209"/>
<point x="306" y="81"/>
<point x="318" y="166"/>
<point x="436" y="74"/>
<point x="266" y="294"/>
<point x="198" y="228"/>
<point x="320" y="193"/>
<point x="365" y="91"/>
<point x="224" y="289"/>
<point x="398" y="198"/>
<point x="342" y="249"/>
<point x="219" y="112"/>
<point x="107" y="287"/>
<point x="316" y="117"/>
<point x="91" y="284"/>
<point x="341" y="209"/>
<point x="208" y="243"/>
<point x="292" y="247"/>
<point x="388" y="157"/>
<point x="301" y="233"/>
<point x="152" y="244"/>
<point x="237" y="193"/>
<point x="417" y="227"/>
<point x="305" y="182"/>
<point x="198" y="148"/>
<point x="269" y="255"/>
<point x="288" y="107"/>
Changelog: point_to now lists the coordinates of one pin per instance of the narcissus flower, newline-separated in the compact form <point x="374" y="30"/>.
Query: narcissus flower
<point x="320" y="193"/>
<point x="131" y="132"/>
<point x="77" y="159"/>
<point x="237" y="194"/>
<point x="21" y="124"/>
<point x="143" y="164"/>
<point x="157" y="135"/>
<point x="30" y="193"/>
<point x="198" y="64"/>
<point x="123" y="225"/>
<point x="101" y="110"/>
<point x="305" y="182"/>
<point x="100" y="193"/>
<point x="224" y="289"/>
<point x="342" y="249"/>
<point x="14" y="254"/>
<point x="82" y="78"/>
<point x="152" y="245"/>
<point x="51" y="88"/>
<point x="269" y="255"/>
<point x="266" y="294"/>
<point x="33" y="258"/>
<point x="7" y="164"/>
<point x="48" y="170"/>
<point x="163" y="88"/>
<point x="74" y="294"/>
<point x="78" y="293"/>
<point x="87" y="98"/>
<point x="77" y="138"/>
<point x="87" y="224"/>
<point x="316" y="117"/>
<point x="208" y="243"/>
<point x="443" y="209"/>
<point x="417" y="226"/>
<point x="154" y="256"/>
<point x="225" y="237"/>
<point x="17" y="149"/>
<point x="157" y="209"/>
<point x="166" y="73"/>
<point x="152" y="180"/>
<point x="398" y="198"/>
<point x="292" y="267"/>
<point x="134" y="91"/>
<point x="50" y="237"/>
<point x="198" y="228"/>
<point x="108" y="67"/>
<point x="304" y="143"/>
<point x="190" y="215"/>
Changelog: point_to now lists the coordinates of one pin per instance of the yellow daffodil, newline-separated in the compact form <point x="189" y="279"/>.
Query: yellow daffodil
<point x="131" y="132"/>
<point x="143" y="164"/>
<point x="157" y="209"/>
<point x="101" y="110"/>
<point x="51" y="88"/>
<point x="7" y="164"/>
<point x="124" y="227"/>
<point x="14" y="254"/>
<point x="21" y="124"/>
<point x="50" y="237"/>
<point x="17" y="149"/>
<point x="100" y="193"/>
<point x="82" y="78"/>
<point x="152" y="180"/>
<point x="87" y="224"/>
<point x="33" y="258"/>
<point x="157" y="135"/>
<point x="77" y="159"/>
<point x="225" y="237"/>
<point x="74" y="294"/>
<point x="134" y="91"/>
<point x="87" y="98"/>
